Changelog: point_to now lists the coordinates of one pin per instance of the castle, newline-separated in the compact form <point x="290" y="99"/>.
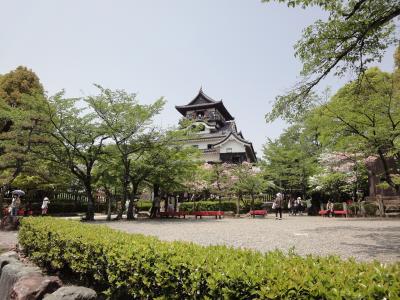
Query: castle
<point x="217" y="135"/>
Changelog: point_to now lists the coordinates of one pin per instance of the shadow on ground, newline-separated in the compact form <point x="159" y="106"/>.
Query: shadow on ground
<point x="375" y="243"/>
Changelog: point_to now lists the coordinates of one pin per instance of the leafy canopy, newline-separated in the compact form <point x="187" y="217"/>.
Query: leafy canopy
<point x="356" y="33"/>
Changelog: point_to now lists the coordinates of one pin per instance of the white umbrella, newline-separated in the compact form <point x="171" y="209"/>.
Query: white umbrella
<point x="18" y="192"/>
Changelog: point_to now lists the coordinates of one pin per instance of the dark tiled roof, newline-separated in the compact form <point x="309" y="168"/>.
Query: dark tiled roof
<point x="202" y="101"/>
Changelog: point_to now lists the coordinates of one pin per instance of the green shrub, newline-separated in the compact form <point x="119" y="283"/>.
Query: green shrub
<point x="144" y="205"/>
<point x="338" y="206"/>
<point x="64" y="207"/>
<point x="208" y="206"/>
<point x="371" y="209"/>
<point x="127" y="266"/>
<point x="214" y="205"/>
<point x="257" y="205"/>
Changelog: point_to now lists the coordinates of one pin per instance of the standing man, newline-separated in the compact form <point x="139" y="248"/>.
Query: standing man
<point x="278" y="203"/>
<point x="45" y="206"/>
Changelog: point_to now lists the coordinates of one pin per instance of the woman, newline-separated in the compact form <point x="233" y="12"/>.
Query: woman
<point x="329" y="208"/>
<point x="15" y="203"/>
<point x="45" y="206"/>
<point x="278" y="203"/>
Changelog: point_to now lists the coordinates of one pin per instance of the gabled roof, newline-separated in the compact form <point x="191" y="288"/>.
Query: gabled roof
<point x="249" y="146"/>
<point x="202" y="101"/>
<point x="201" y="98"/>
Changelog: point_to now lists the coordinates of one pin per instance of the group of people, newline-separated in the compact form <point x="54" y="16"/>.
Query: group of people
<point x="295" y="206"/>
<point x="16" y="205"/>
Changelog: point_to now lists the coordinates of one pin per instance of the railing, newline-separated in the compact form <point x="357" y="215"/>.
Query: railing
<point x="210" y="151"/>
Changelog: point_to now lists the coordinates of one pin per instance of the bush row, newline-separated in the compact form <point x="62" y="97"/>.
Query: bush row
<point x="208" y="206"/>
<point x="127" y="266"/>
<point x="215" y="205"/>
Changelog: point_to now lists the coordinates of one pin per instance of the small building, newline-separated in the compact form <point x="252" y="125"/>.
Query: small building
<point x="216" y="135"/>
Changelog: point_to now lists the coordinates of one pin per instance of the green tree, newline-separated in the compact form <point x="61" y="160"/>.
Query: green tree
<point x="364" y="116"/>
<point x="107" y="174"/>
<point x="21" y="123"/>
<point x="171" y="163"/>
<point x="77" y="142"/>
<point x="291" y="159"/>
<point x="248" y="180"/>
<point x="126" y="122"/>
<point x="356" y="33"/>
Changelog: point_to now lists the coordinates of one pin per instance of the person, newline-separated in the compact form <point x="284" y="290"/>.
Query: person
<point x="15" y="203"/>
<point x="289" y="206"/>
<point x="295" y="207"/>
<point x="45" y="206"/>
<point x="278" y="203"/>
<point x="329" y="208"/>
<point x="299" y="206"/>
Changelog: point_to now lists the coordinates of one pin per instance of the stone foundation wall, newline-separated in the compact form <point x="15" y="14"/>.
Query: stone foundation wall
<point x="21" y="281"/>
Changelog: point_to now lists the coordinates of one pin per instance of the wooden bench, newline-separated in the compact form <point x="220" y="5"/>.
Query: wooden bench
<point x="259" y="212"/>
<point x="217" y="214"/>
<point x="173" y="214"/>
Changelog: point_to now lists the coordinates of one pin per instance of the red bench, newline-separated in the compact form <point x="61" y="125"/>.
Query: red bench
<point x="259" y="212"/>
<point x="217" y="214"/>
<point x="341" y="212"/>
<point x="335" y="212"/>
<point x="173" y="214"/>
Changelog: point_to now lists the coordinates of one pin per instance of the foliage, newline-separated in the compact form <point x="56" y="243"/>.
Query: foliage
<point x="370" y="208"/>
<point x="77" y="142"/>
<point x="18" y="83"/>
<point x="136" y="267"/>
<point x="208" y="206"/>
<point x="249" y="180"/>
<point x="356" y="33"/>
<point x="21" y="123"/>
<point x="212" y="205"/>
<point x="364" y="117"/>
<point x="340" y="174"/>
<point x="129" y="124"/>
<point x="291" y="159"/>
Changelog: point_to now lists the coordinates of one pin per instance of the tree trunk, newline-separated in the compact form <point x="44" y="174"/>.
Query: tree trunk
<point x="90" y="206"/>
<point x="1" y="202"/>
<point x="238" y="204"/>
<point x="125" y="188"/>
<point x="109" y="202"/>
<point x="156" y="193"/>
<point x="388" y="178"/>
<point x="130" y="214"/>
<point x="252" y="202"/>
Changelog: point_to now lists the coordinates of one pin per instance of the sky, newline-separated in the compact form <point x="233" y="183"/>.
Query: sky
<point x="238" y="51"/>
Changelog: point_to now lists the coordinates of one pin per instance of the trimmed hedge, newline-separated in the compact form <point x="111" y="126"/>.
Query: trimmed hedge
<point x="144" y="205"/>
<point x="208" y="206"/>
<point x="132" y="266"/>
<point x="214" y="205"/>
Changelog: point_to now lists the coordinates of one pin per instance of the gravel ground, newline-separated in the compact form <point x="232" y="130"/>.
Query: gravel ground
<point x="8" y="239"/>
<point x="363" y="239"/>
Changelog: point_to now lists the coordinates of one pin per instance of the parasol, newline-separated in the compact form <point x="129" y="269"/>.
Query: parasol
<point x="18" y="192"/>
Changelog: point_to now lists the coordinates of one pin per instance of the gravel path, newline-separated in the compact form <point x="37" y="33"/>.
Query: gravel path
<point x="363" y="239"/>
<point x="8" y="239"/>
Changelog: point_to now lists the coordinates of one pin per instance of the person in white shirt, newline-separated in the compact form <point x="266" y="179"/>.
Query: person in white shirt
<point x="45" y="206"/>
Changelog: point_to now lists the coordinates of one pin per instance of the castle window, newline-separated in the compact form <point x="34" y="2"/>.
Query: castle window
<point x="209" y="146"/>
